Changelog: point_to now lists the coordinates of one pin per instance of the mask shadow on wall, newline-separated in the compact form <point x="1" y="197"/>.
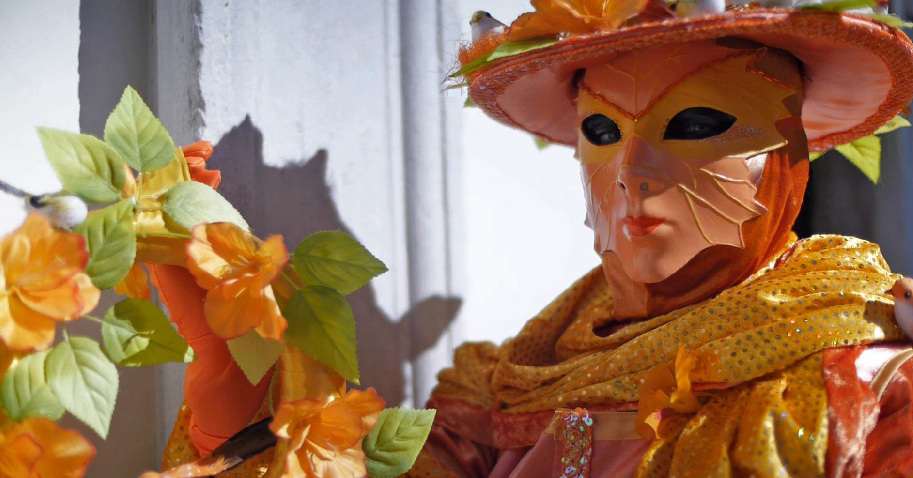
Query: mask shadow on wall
<point x="294" y="200"/>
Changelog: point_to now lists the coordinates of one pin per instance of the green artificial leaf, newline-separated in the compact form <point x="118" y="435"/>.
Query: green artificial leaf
<point x="321" y="323"/>
<point x="84" y="380"/>
<point x="865" y="154"/>
<point x="255" y="354"/>
<point x="813" y="155"/>
<point x="111" y="240"/>
<point x="840" y="5"/>
<point x="136" y="332"/>
<point x="504" y="50"/>
<point x="541" y="143"/>
<point x="896" y="123"/>
<point x="25" y="392"/>
<point x="134" y="132"/>
<point x="890" y="20"/>
<point x="469" y="104"/>
<point x="336" y="260"/>
<point x="191" y="203"/>
<point x="86" y="166"/>
<point x="392" y="446"/>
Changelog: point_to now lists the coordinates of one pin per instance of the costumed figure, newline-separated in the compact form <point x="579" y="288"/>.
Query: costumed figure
<point x="710" y="342"/>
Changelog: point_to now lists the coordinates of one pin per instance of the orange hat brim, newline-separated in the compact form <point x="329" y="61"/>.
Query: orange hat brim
<point x="858" y="71"/>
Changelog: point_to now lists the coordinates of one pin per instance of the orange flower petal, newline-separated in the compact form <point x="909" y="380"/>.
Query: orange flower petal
<point x="367" y="404"/>
<point x="135" y="284"/>
<point x="66" y="452"/>
<point x="231" y="243"/>
<point x="206" y="266"/>
<point x="37" y="447"/>
<point x="202" y="149"/>
<point x="18" y="455"/>
<point x="21" y="328"/>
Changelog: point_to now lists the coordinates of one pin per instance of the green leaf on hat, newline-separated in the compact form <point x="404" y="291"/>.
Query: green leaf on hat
<point x="111" y="240"/>
<point x="134" y="132"/>
<point x="84" y="380"/>
<point x="392" y="446"/>
<point x="840" y="5"/>
<point x="865" y="154"/>
<point x="191" y="203"/>
<point x="25" y="392"/>
<point x="255" y="354"/>
<point x="505" y="50"/>
<point x="136" y="332"/>
<point x="890" y="20"/>
<point x="320" y="322"/>
<point x="896" y="123"/>
<point x="541" y="143"/>
<point x="86" y="166"/>
<point x="336" y="260"/>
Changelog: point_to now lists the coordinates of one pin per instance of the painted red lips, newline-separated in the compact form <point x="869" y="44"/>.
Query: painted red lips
<point x="641" y="225"/>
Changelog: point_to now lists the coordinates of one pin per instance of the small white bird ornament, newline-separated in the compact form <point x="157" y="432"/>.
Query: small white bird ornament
<point x="903" y="304"/>
<point x="63" y="210"/>
<point x="483" y="24"/>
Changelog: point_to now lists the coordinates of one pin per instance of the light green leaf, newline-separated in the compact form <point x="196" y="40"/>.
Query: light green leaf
<point x="84" y="380"/>
<point x="111" y="240"/>
<point x="395" y="441"/>
<point x="896" y="123"/>
<point x="336" y="260"/>
<point x="25" y="392"/>
<point x="191" y="203"/>
<point x="541" y="143"/>
<point x="840" y="5"/>
<point x="505" y="50"/>
<point x="865" y="154"/>
<point x="255" y="354"/>
<point x="813" y="155"/>
<point x="469" y="104"/>
<point x="86" y="166"/>
<point x="136" y="332"/>
<point x="890" y="20"/>
<point x="134" y="132"/>
<point x="321" y="323"/>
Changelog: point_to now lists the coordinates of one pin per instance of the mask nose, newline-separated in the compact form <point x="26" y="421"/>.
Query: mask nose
<point x="637" y="175"/>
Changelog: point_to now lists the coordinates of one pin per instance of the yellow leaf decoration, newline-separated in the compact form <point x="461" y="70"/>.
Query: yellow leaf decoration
<point x="666" y="388"/>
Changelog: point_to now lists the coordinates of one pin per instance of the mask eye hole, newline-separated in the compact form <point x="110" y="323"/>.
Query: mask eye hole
<point x="698" y="123"/>
<point x="600" y="130"/>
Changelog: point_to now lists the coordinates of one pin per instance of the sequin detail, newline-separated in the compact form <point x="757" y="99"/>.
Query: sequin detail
<point x="574" y="442"/>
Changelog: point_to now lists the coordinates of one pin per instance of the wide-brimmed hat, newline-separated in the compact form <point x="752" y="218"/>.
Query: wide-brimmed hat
<point x="858" y="70"/>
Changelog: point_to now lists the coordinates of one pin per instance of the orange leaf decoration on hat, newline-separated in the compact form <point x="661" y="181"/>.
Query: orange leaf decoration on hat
<point x="37" y="447"/>
<point x="666" y="387"/>
<point x="237" y="273"/>
<point x="573" y="16"/>
<point x="325" y="438"/>
<point x="41" y="282"/>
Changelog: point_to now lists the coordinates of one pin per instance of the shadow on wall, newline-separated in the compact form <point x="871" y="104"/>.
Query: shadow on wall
<point x="295" y="201"/>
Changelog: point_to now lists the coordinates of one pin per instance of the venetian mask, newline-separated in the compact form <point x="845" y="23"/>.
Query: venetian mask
<point x="671" y="142"/>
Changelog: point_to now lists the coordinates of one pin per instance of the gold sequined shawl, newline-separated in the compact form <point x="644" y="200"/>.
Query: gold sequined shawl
<point x="759" y="342"/>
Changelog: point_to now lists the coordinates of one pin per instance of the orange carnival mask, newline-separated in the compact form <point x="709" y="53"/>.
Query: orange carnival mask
<point x="672" y="143"/>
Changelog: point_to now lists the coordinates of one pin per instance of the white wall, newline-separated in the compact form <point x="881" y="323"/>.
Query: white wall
<point x="38" y="86"/>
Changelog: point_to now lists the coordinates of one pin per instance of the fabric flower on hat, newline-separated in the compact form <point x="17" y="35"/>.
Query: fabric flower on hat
<point x="574" y="17"/>
<point x="41" y="282"/>
<point x="135" y="284"/>
<point x="37" y="447"/>
<point x="325" y="437"/>
<point x="196" y="155"/>
<point x="237" y="273"/>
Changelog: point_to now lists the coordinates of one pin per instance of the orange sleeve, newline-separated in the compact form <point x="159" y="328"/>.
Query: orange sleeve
<point x="220" y="398"/>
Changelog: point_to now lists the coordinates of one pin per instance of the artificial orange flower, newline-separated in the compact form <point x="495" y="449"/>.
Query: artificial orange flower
<point x="237" y="272"/>
<point x="37" y="447"/>
<point x="666" y="388"/>
<point x="41" y="282"/>
<point x="325" y="437"/>
<point x="135" y="284"/>
<point x="196" y="155"/>
<point x="574" y="17"/>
